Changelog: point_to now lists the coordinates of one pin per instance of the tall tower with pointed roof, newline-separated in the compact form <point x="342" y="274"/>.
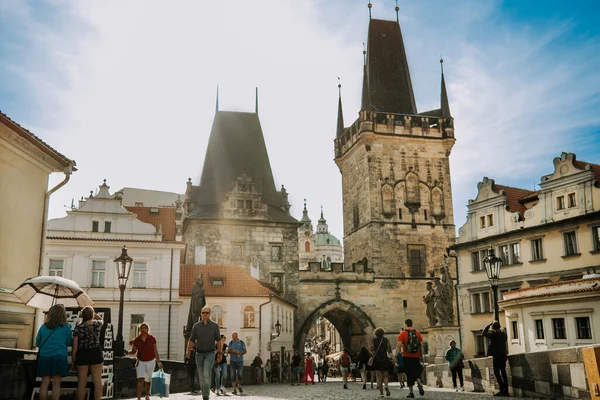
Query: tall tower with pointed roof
<point x="236" y="216"/>
<point x="396" y="184"/>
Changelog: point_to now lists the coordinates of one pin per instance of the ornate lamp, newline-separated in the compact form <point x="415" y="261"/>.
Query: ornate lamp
<point x="492" y="268"/>
<point x="123" y="264"/>
<point x="278" y="328"/>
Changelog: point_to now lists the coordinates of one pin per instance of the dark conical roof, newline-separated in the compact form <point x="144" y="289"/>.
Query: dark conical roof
<point x="340" y="118"/>
<point x="236" y="144"/>
<point x="389" y="85"/>
<point x="444" y="104"/>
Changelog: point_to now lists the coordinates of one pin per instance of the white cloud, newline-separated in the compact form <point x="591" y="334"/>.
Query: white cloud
<point x="136" y="102"/>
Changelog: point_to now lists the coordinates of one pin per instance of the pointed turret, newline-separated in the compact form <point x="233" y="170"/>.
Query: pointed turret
<point x="322" y="225"/>
<point x="305" y="218"/>
<point x="444" y="104"/>
<point x="387" y="86"/>
<point x="340" y="118"/>
<point x="217" y="100"/>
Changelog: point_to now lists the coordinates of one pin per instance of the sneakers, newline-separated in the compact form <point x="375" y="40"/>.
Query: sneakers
<point x="345" y="386"/>
<point x="462" y="388"/>
<point x="234" y="391"/>
<point x="421" y="391"/>
<point x="410" y="396"/>
<point x="456" y="389"/>
<point x="364" y="385"/>
<point x="223" y="391"/>
<point x="387" y="391"/>
<point x="240" y="389"/>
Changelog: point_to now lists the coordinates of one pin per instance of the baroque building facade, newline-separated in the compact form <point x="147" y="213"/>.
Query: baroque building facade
<point x="317" y="247"/>
<point x="544" y="238"/>
<point x="236" y="216"/>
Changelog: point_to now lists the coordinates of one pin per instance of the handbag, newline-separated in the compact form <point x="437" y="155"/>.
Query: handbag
<point x="160" y="383"/>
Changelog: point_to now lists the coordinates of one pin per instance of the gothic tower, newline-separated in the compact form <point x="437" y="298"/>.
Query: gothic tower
<point x="397" y="197"/>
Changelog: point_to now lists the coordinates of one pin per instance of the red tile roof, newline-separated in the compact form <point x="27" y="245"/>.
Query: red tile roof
<point x="165" y="218"/>
<point x="89" y="239"/>
<point x="513" y="195"/>
<point x="554" y="289"/>
<point x="595" y="168"/>
<point x="36" y="141"/>
<point x="236" y="281"/>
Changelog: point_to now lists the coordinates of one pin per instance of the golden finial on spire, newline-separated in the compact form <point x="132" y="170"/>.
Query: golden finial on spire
<point x="397" y="9"/>
<point x="370" y="6"/>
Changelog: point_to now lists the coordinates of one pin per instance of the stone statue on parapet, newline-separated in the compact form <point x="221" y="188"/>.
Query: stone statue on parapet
<point x="429" y="300"/>
<point x="444" y="296"/>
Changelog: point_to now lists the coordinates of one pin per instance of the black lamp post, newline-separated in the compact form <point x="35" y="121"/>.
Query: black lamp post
<point x="278" y="328"/>
<point x="123" y="264"/>
<point x="492" y="268"/>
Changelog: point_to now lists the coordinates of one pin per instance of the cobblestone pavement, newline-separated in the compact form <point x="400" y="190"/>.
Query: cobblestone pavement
<point x="332" y="390"/>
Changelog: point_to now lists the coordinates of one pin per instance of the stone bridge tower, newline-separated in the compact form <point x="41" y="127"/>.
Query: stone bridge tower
<point x="397" y="203"/>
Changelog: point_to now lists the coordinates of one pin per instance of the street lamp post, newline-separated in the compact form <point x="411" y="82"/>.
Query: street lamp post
<point x="123" y="264"/>
<point x="492" y="268"/>
<point x="278" y="328"/>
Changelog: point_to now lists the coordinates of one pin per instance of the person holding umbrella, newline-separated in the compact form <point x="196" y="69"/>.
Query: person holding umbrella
<point x="53" y="340"/>
<point x="87" y="353"/>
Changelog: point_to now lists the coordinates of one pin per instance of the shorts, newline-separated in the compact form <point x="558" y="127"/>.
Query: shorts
<point x="93" y="356"/>
<point x="343" y="369"/>
<point x="237" y="370"/>
<point x="296" y="370"/>
<point x="53" y="366"/>
<point x="144" y="369"/>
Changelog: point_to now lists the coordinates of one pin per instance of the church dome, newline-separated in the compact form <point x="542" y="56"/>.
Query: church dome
<point x="326" y="239"/>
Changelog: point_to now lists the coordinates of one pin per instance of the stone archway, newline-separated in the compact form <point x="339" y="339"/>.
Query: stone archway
<point x="333" y="310"/>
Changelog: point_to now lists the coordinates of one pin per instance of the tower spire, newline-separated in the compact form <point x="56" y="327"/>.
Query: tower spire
<point x="340" y="118"/>
<point x="370" y="6"/>
<point x="256" y="102"/>
<point x="397" y="9"/>
<point x="217" y="102"/>
<point x="444" y="104"/>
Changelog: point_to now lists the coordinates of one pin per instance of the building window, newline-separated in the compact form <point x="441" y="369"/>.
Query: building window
<point x="560" y="203"/>
<point x="584" y="330"/>
<point x="237" y="251"/>
<point x="537" y="251"/>
<point x="572" y="200"/>
<point x="307" y="247"/>
<point x="399" y="213"/>
<point x="490" y="220"/>
<point x="216" y="315"/>
<point x="480" y="303"/>
<point x="480" y="345"/>
<point x="558" y="326"/>
<point x="56" y="268"/>
<point x="276" y="252"/>
<point x="107" y="225"/>
<point x="425" y="214"/>
<point x="240" y="204"/>
<point x="482" y="222"/>
<point x="417" y="260"/>
<point x="475" y="264"/>
<point x="95" y="226"/>
<point x="98" y="273"/>
<point x="515" y="329"/>
<point x="515" y="253"/>
<point x="596" y="237"/>
<point x="504" y="255"/>
<point x="249" y="204"/>
<point x="570" y="243"/>
<point x="539" y="329"/>
<point x="134" y="326"/>
<point x="355" y="216"/>
<point x="248" y="317"/>
<point x="139" y="275"/>
<point x="138" y="204"/>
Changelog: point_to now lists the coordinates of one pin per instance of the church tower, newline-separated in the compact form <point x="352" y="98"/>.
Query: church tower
<point x="394" y="161"/>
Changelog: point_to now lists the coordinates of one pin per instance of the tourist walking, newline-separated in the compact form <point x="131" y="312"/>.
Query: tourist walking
<point x="400" y="369"/>
<point x="146" y="351"/>
<point x="53" y="340"/>
<point x="309" y="369"/>
<point x="455" y="357"/>
<point x="361" y="364"/>
<point x="221" y="367"/>
<point x="257" y="363"/>
<point x="268" y="372"/>
<point x="382" y="351"/>
<point x="296" y="359"/>
<point x="344" y="364"/>
<point x="204" y="337"/>
<point x="237" y="349"/>
<point x="498" y="349"/>
<point x="325" y="369"/>
<point x="409" y="343"/>
<point x="87" y="352"/>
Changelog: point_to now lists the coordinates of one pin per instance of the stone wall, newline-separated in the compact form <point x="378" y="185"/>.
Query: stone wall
<point x="554" y="374"/>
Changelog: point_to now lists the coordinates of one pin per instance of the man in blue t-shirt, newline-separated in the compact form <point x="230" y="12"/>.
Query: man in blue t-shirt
<point x="237" y="349"/>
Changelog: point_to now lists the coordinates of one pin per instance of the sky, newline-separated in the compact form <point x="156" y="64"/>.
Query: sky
<point x="127" y="88"/>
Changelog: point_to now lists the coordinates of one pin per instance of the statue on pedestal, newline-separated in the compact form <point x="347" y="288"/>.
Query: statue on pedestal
<point x="444" y="294"/>
<point x="429" y="300"/>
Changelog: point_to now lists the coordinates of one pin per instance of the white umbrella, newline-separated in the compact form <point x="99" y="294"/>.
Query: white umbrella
<point x="45" y="291"/>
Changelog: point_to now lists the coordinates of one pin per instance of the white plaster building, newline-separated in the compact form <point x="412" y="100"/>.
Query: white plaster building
<point x="545" y="236"/>
<point x="555" y="315"/>
<point x="82" y="247"/>
<point x="243" y="304"/>
<point x="319" y="246"/>
<point x="25" y="165"/>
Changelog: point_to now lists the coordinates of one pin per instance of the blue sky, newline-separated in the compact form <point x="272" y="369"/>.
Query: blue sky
<point x="126" y="88"/>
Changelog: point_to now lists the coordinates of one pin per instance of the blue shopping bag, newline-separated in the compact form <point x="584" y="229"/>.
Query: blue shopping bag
<point x="160" y="383"/>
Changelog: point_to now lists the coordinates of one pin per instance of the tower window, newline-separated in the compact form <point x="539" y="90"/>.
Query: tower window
<point x="307" y="247"/>
<point x="249" y="204"/>
<point x="240" y="204"/>
<point x="399" y="213"/>
<point x="355" y="216"/>
<point x="425" y="214"/>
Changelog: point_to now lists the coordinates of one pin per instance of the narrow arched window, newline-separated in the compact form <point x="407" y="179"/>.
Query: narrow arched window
<point x="216" y="315"/>
<point x="307" y="247"/>
<point x="248" y="317"/>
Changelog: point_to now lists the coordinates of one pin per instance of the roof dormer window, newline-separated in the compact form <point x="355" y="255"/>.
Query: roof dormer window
<point x="217" y="282"/>
<point x="153" y="210"/>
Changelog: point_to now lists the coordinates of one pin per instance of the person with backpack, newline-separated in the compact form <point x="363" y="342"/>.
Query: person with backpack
<point x="381" y="364"/>
<point x="344" y="364"/>
<point x="237" y="349"/>
<point x="409" y="343"/>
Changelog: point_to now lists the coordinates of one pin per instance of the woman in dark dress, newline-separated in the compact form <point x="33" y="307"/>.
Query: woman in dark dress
<point x="361" y="364"/>
<point x="382" y="351"/>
